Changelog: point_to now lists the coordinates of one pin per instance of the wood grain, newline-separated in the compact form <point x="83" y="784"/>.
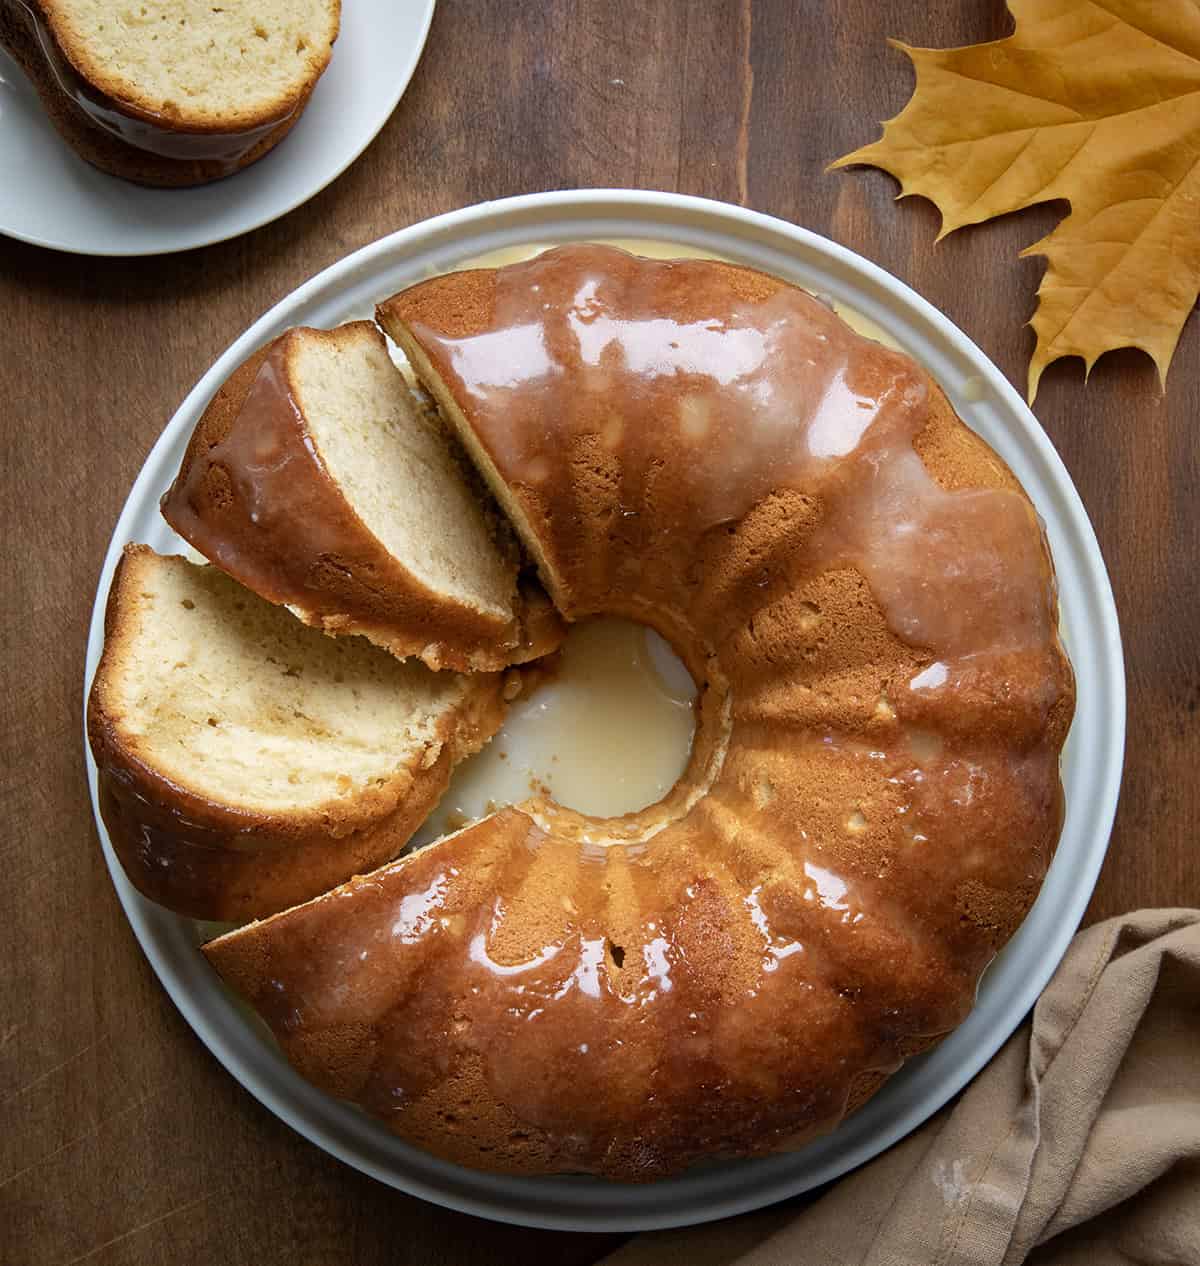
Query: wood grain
<point x="122" y="1140"/>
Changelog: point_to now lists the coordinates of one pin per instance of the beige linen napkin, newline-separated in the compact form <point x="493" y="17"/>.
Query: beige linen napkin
<point x="1078" y="1145"/>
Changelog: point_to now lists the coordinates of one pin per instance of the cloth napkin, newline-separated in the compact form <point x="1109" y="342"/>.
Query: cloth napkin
<point x="1078" y="1145"/>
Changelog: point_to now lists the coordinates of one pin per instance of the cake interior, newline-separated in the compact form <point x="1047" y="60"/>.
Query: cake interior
<point x="223" y="687"/>
<point x="401" y="471"/>
<point x="192" y="60"/>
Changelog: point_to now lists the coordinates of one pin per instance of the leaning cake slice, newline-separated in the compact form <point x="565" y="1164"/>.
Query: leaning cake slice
<point x="319" y="480"/>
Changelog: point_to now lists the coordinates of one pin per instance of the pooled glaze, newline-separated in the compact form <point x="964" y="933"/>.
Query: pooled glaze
<point x="607" y="733"/>
<point x="141" y="129"/>
<point x="873" y="794"/>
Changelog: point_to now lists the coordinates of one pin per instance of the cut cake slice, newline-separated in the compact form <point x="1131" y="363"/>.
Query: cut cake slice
<point x="246" y="762"/>
<point x="319" y="480"/>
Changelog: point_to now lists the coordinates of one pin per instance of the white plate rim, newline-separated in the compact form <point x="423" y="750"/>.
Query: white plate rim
<point x="256" y="179"/>
<point x="1092" y="769"/>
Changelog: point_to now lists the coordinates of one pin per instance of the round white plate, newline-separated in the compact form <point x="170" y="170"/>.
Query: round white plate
<point x="1091" y="767"/>
<point x="49" y="196"/>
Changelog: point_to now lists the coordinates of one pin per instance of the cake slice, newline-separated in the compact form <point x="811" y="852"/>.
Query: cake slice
<point x="175" y="93"/>
<point x="246" y="762"/>
<point x="319" y="480"/>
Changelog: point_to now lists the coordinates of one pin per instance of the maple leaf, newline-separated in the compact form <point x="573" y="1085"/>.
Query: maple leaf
<point x="1092" y="101"/>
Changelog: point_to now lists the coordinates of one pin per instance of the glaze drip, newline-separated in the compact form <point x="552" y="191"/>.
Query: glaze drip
<point x="261" y="459"/>
<point x="751" y="389"/>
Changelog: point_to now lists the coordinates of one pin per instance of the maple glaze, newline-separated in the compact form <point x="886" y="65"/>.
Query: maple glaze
<point x="255" y="496"/>
<point x="276" y="480"/>
<point x="569" y="737"/>
<point x="873" y="791"/>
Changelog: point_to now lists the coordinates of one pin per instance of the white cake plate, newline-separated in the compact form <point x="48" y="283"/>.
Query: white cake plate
<point x="1091" y="765"/>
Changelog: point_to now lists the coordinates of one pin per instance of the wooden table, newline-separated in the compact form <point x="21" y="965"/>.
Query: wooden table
<point x="122" y="1140"/>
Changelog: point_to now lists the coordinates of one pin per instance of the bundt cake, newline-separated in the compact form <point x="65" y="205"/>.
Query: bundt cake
<point x="172" y="93"/>
<point x="865" y="598"/>
<point x="315" y="478"/>
<point x="247" y="762"/>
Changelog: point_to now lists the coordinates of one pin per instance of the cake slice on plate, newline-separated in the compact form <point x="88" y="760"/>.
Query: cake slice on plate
<point x="169" y="93"/>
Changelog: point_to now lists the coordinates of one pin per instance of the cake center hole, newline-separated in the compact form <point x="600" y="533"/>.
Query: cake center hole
<point x="609" y="733"/>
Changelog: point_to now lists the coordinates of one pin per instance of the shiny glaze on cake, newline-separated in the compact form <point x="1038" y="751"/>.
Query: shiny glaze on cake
<point x="866" y="601"/>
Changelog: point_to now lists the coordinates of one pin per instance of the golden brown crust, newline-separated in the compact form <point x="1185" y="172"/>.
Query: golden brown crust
<point x="414" y="1018"/>
<point x="212" y="860"/>
<point x="103" y="149"/>
<point x="457" y="305"/>
<point x="866" y="816"/>
<point x="321" y="559"/>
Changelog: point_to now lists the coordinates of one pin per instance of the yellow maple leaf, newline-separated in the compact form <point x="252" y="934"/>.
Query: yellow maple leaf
<point x="1094" y="101"/>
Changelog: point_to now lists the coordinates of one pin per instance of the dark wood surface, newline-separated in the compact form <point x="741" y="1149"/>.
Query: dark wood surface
<point x="121" y="1139"/>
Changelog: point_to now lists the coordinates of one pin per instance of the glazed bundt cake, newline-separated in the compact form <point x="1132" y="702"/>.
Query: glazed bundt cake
<point x="316" y="478"/>
<point x="172" y="92"/>
<point x="865" y="598"/>
<point x="247" y="762"/>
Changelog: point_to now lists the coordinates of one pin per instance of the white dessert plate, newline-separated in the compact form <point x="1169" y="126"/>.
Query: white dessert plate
<point x="1091" y="766"/>
<point x="49" y="196"/>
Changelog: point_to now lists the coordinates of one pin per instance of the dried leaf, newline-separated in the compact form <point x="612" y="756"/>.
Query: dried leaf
<point x="1094" y="101"/>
